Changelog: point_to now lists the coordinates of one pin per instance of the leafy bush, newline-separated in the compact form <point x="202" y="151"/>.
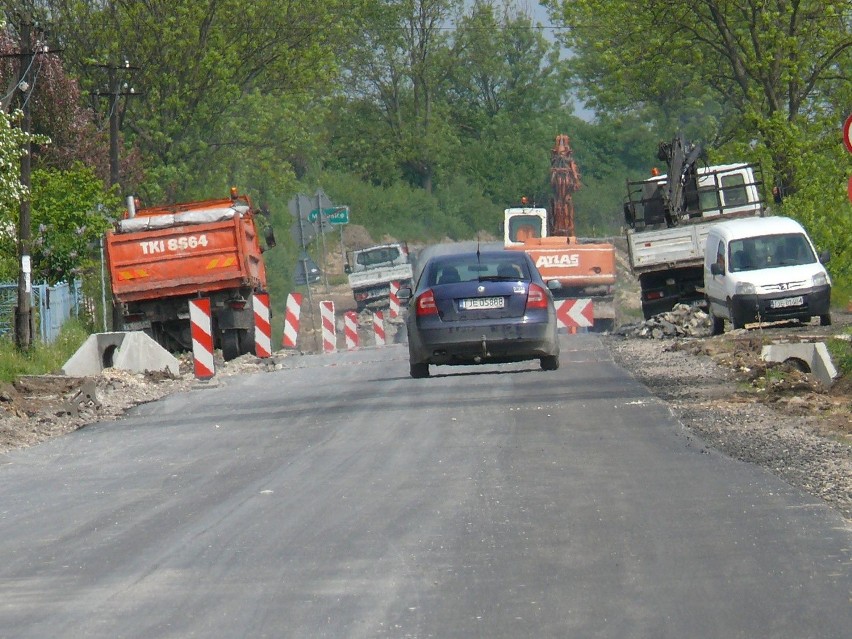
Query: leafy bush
<point x="841" y="353"/>
<point x="71" y="211"/>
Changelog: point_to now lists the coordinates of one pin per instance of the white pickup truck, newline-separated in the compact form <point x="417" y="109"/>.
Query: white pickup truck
<point x="371" y="271"/>
<point x="667" y="255"/>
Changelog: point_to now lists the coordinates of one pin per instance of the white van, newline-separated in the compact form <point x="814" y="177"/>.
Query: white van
<point x="763" y="270"/>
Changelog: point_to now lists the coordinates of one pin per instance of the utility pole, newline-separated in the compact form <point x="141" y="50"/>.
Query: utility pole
<point x="23" y="312"/>
<point x="115" y="91"/>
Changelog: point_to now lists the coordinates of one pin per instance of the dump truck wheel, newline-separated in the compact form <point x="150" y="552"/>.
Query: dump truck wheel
<point x="246" y="339"/>
<point x="230" y="345"/>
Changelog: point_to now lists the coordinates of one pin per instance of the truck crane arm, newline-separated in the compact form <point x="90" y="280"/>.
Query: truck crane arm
<point x="681" y="191"/>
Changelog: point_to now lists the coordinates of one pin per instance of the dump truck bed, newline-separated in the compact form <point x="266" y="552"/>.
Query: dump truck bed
<point x="181" y="252"/>
<point x="680" y="246"/>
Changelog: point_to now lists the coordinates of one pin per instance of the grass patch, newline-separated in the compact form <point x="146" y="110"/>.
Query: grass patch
<point x="337" y="279"/>
<point x="841" y="352"/>
<point x="41" y="358"/>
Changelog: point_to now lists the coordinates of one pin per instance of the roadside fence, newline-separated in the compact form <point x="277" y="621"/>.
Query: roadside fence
<point x="52" y="306"/>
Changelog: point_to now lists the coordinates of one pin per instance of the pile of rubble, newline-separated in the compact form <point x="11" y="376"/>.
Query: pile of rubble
<point x="681" y="321"/>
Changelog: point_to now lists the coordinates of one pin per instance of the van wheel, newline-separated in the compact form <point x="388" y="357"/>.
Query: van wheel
<point x="718" y="324"/>
<point x="825" y="320"/>
<point x="419" y="371"/>
<point x="549" y="362"/>
<point x="734" y="323"/>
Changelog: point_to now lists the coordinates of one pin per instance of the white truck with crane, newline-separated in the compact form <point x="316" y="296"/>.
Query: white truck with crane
<point x="669" y="216"/>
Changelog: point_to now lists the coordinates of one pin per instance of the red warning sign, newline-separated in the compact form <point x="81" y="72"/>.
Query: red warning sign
<point x="574" y="313"/>
<point x="847" y="133"/>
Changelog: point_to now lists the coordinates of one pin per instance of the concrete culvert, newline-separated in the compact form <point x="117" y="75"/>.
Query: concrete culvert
<point x="107" y="358"/>
<point x="814" y="356"/>
<point x="130" y="350"/>
<point x="798" y="364"/>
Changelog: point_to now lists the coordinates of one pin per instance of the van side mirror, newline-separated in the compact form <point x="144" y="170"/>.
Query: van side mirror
<point x="824" y="257"/>
<point x="404" y="294"/>
<point x="347" y="268"/>
<point x="717" y="269"/>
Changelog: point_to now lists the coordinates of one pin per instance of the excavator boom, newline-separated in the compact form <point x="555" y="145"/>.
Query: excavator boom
<point x="585" y="270"/>
<point x="565" y="181"/>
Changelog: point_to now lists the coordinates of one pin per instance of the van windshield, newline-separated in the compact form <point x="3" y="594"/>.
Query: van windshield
<point x="770" y="251"/>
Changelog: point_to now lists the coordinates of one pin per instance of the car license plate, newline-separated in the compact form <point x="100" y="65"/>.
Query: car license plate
<point x="477" y="303"/>
<point x="787" y="302"/>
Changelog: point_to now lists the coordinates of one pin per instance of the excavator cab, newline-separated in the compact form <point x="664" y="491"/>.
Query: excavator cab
<point x="521" y="228"/>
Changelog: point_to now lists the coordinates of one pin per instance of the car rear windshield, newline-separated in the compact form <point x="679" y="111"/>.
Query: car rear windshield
<point x="473" y="270"/>
<point x="770" y="251"/>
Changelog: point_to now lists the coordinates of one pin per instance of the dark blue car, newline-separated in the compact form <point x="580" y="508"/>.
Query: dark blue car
<point x="479" y="308"/>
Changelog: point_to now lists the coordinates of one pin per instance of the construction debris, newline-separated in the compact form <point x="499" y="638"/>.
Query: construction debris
<point x="681" y="321"/>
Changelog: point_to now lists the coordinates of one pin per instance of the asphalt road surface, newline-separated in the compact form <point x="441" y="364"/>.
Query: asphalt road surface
<point x="340" y="498"/>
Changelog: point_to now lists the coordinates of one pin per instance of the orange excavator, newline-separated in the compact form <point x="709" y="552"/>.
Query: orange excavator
<point x="585" y="269"/>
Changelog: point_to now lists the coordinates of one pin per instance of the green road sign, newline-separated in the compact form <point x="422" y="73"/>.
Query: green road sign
<point x="332" y="215"/>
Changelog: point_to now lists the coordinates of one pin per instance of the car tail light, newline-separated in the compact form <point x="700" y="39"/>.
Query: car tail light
<point x="536" y="297"/>
<point x="426" y="304"/>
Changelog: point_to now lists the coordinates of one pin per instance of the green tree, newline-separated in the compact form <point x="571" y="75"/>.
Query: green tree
<point x="71" y="212"/>
<point x="396" y="77"/>
<point x="510" y="100"/>
<point x="752" y="65"/>
<point x="203" y="73"/>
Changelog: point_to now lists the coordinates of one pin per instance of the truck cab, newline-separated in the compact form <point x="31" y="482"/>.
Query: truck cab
<point x="372" y="270"/>
<point x="725" y="190"/>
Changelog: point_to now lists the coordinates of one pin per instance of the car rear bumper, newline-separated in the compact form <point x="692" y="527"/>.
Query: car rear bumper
<point x="752" y="308"/>
<point x="508" y="342"/>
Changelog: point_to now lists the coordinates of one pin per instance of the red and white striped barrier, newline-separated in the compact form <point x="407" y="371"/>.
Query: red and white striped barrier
<point x="350" y="330"/>
<point x="202" y="338"/>
<point x="573" y="314"/>
<point x="379" y="328"/>
<point x="394" y="299"/>
<point x="329" y="330"/>
<point x="262" y="329"/>
<point x="291" y="320"/>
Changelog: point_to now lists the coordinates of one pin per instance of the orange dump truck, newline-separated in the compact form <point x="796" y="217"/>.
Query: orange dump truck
<point x="161" y="257"/>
